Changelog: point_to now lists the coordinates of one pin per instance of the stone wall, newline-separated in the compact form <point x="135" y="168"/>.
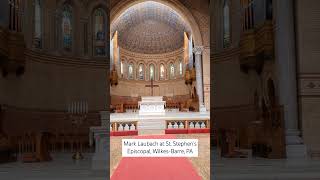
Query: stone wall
<point x="308" y="55"/>
<point x="51" y="82"/>
<point x="167" y="86"/>
<point x="231" y="86"/>
<point x="137" y="88"/>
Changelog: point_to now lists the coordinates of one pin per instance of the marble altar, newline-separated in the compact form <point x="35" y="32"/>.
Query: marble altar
<point x="151" y="105"/>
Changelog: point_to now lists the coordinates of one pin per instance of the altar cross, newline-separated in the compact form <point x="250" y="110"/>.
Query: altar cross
<point x="152" y="86"/>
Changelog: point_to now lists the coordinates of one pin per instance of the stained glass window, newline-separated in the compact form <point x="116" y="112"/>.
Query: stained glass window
<point x="162" y="71"/>
<point x="180" y="68"/>
<point x="121" y="67"/>
<point x="171" y="67"/>
<point x="99" y="30"/>
<point x="141" y="72"/>
<point x="151" y="71"/>
<point x="226" y="24"/>
<point x="37" y="24"/>
<point x="130" y="71"/>
<point x="67" y="27"/>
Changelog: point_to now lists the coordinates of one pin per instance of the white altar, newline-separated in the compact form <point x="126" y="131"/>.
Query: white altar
<point x="151" y="105"/>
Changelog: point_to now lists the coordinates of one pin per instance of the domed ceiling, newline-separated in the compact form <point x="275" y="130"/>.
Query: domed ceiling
<point x="150" y="28"/>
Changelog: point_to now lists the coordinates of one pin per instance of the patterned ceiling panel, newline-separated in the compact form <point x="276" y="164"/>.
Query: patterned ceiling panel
<point x="150" y="28"/>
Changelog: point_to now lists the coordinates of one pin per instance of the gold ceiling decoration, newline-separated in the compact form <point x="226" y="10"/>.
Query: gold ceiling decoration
<point x="150" y="28"/>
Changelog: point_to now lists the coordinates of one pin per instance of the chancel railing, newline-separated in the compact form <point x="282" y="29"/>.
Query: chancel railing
<point x="123" y="126"/>
<point x="187" y="124"/>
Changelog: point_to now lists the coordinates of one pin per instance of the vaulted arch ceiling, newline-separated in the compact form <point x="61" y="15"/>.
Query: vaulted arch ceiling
<point x="150" y="28"/>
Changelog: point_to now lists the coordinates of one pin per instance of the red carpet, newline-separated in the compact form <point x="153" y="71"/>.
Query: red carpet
<point x="155" y="168"/>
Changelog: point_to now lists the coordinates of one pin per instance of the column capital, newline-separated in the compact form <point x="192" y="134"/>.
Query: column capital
<point x="198" y="50"/>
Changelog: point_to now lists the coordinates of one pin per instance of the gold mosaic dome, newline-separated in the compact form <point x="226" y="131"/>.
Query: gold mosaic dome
<point x="150" y="28"/>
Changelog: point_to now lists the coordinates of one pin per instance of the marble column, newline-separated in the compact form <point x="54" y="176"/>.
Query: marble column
<point x="199" y="83"/>
<point x="101" y="135"/>
<point x="285" y="58"/>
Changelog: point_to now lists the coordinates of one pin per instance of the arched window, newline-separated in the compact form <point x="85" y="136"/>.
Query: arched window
<point x="67" y="27"/>
<point x="37" y="23"/>
<point x="130" y="71"/>
<point x="162" y="72"/>
<point x="180" y="68"/>
<point x="121" y="68"/>
<point x="151" y="71"/>
<point x="141" y="71"/>
<point x="15" y="14"/>
<point x="226" y="24"/>
<point x="171" y="68"/>
<point x="99" y="32"/>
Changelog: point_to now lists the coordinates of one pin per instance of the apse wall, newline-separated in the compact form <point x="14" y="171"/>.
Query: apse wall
<point x="134" y="86"/>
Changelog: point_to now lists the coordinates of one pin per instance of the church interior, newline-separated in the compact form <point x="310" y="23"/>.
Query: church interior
<point x="79" y="76"/>
<point x="159" y="80"/>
